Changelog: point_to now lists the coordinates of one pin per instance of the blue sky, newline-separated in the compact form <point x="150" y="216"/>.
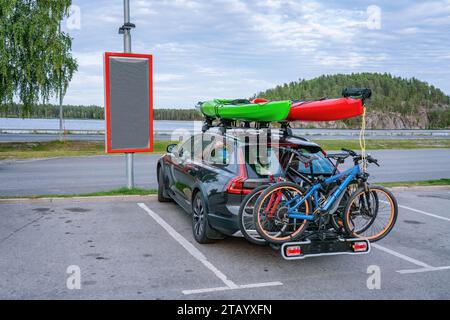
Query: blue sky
<point x="235" y="48"/>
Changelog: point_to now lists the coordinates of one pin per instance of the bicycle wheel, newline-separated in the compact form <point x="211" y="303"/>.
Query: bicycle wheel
<point x="337" y="219"/>
<point x="371" y="214"/>
<point x="246" y="221"/>
<point x="270" y="213"/>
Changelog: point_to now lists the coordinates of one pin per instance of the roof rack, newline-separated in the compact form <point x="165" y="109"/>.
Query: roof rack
<point x="223" y="125"/>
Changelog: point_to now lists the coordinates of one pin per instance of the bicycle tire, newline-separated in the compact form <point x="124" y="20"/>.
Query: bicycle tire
<point x="243" y="225"/>
<point x="349" y="226"/>
<point x="257" y="212"/>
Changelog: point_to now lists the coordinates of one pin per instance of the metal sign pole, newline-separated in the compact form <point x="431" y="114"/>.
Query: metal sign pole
<point x="126" y="31"/>
<point x="126" y="27"/>
<point x="61" y="126"/>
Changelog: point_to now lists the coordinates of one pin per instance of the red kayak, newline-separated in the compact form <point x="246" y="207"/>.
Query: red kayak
<point x="326" y="110"/>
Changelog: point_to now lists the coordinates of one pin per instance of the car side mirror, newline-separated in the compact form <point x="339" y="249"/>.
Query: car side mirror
<point x="171" y="148"/>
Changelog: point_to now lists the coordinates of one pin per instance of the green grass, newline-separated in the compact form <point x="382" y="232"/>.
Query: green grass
<point x="145" y="192"/>
<point x="116" y="192"/>
<point x="50" y="149"/>
<point x="378" y="144"/>
<point x="425" y="183"/>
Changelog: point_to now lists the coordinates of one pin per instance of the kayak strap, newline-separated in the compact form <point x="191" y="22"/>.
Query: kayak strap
<point x="216" y="110"/>
<point x="362" y="141"/>
<point x="221" y="102"/>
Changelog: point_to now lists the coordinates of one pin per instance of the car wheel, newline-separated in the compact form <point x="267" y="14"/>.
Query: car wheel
<point x="200" y="225"/>
<point x="162" y="189"/>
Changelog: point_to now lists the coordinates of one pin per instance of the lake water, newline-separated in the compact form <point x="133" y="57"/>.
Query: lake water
<point x="167" y="125"/>
<point x="75" y="124"/>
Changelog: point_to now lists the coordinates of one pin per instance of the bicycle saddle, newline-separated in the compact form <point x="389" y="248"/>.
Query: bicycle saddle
<point x="338" y="156"/>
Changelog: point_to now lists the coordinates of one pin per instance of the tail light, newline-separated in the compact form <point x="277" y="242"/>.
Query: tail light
<point x="236" y="185"/>
<point x="360" y="246"/>
<point x="293" y="251"/>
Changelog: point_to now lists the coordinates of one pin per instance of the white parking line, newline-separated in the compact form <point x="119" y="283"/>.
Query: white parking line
<point x="420" y="270"/>
<point x="424" y="266"/>
<point x="230" y="285"/>
<point x="402" y="256"/>
<point x="421" y="212"/>
<point x="245" y="286"/>
<point x="425" y="213"/>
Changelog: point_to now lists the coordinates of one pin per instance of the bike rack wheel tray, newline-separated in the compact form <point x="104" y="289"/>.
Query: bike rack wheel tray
<point x="317" y="248"/>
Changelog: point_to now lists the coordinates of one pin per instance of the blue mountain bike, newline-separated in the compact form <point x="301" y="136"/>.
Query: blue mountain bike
<point x="285" y="210"/>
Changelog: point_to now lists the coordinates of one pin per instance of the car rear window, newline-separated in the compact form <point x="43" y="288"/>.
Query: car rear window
<point x="320" y="166"/>
<point x="262" y="162"/>
<point x="266" y="162"/>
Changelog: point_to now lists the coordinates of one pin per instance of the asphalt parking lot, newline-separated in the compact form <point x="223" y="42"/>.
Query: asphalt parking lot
<point x="141" y="249"/>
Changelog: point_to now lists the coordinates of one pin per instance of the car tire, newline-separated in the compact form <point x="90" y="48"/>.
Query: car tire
<point x="162" y="197"/>
<point x="200" y="225"/>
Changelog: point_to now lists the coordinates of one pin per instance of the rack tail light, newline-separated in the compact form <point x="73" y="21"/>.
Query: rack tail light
<point x="360" y="246"/>
<point x="293" y="251"/>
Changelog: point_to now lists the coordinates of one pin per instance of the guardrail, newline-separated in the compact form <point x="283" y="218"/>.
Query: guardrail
<point x="50" y="131"/>
<point x="304" y="132"/>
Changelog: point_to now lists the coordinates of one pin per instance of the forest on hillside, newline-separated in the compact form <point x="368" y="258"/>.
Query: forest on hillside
<point x="49" y="111"/>
<point x="396" y="103"/>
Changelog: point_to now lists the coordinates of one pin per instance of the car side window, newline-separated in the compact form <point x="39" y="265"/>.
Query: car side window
<point x="184" y="151"/>
<point x="217" y="151"/>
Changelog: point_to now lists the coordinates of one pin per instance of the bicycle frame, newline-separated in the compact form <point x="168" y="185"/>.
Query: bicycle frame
<point x="350" y="175"/>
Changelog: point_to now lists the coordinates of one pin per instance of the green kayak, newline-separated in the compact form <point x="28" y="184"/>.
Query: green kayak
<point x="245" y="110"/>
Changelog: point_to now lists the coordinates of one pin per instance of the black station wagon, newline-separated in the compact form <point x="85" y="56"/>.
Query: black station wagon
<point x="210" y="173"/>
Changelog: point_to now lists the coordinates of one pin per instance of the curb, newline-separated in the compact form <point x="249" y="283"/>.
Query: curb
<point x="7" y="161"/>
<point x="419" y="188"/>
<point x="125" y="198"/>
<point x="77" y="199"/>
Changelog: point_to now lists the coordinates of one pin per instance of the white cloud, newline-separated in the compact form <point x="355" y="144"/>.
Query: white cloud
<point x="409" y="30"/>
<point x="235" y="48"/>
<point x="89" y="59"/>
<point x="218" y="72"/>
<point x="85" y="89"/>
<point x="189" y="4"/>
<point x="349" y="59"/>
<point x="308" y="25"/>
<point x="236" y="5"/>
<point x="143" y="8"/>
<point x="272" y="4"/>
<point x="167" y="77"/>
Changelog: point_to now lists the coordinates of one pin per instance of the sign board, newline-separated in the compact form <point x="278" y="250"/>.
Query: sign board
<point x="128" y="102"/>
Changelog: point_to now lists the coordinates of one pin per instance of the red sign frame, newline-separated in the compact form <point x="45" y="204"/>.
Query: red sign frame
<point x="107" y="102"/>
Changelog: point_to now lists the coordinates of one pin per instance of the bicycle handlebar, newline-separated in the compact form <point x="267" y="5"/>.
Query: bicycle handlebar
<point x="357" y="157"/>
<point x="350" y="152"/>
<point x="302" y="157"/>
<point x="309" y="158"/>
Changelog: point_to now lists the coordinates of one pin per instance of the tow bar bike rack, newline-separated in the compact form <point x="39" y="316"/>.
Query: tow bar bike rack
<point x="316" y="248"/>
